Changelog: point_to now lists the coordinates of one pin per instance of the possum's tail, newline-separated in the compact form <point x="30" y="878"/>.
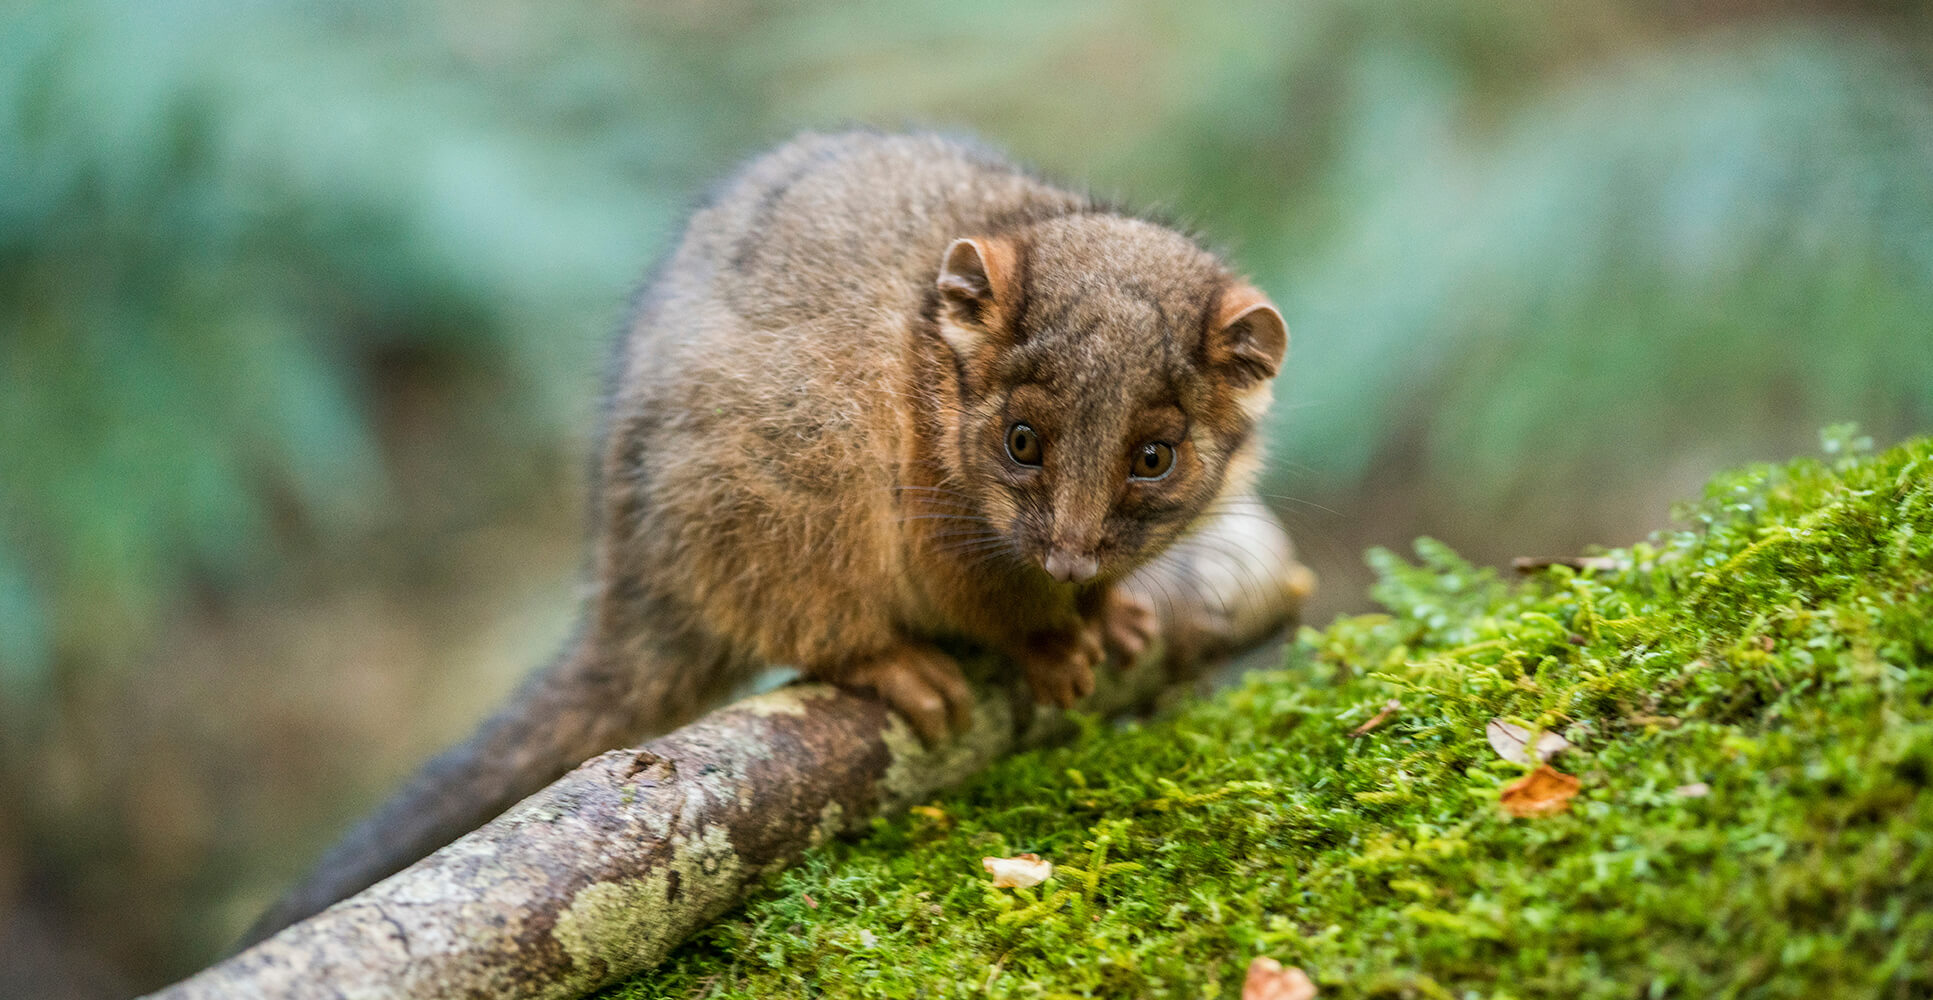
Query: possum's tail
<point x="579" y="706"/>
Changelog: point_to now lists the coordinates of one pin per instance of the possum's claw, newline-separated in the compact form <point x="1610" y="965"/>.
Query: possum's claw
<point x="1060" y="665"/>
<point x="922" y="684"/>
<point x="1128" y="624"/>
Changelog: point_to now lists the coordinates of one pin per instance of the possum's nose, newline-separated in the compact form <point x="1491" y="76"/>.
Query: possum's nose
<point x="1069" y="567"/>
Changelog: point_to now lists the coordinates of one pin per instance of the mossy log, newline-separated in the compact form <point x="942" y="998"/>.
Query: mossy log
<point x="1743" y="702"/>
<point x="601" y="874"/>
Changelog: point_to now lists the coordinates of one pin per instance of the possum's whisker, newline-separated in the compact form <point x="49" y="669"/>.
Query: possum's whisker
<point x="1147" y="578"/>
<point x="1195" y="581"/>
<point x="1244" y="565"/>
<point x="1285" y="498"/>
<point x="981" y="532"/>
<point x="979" y="550"/>
<point x="962" y="510"/>
<point x="968" y="543"/>
<point x="933" y="495"/>
<point x="929" y="489"/>
<point x="1242" y="558"/>
<point x="941" y="517"/>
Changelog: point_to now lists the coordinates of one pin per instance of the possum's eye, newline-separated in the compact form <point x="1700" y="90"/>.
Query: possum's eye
<point x="1023" y="445"/>
<point x="1153" y="460"/>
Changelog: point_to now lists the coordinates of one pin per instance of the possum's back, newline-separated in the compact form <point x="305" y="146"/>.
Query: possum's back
<point x="838" y="234"/>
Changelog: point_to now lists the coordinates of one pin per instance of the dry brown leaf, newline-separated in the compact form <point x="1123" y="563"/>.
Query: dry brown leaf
<point x="1390" y="708"/>
<point x="1511" y="742"/>
<point x="1268" y="979"/>
<point x="1543" y="792"/>
<point x="1018" y="872"/>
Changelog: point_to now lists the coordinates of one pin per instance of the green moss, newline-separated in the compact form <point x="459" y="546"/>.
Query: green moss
<point x="1779" y="650"/>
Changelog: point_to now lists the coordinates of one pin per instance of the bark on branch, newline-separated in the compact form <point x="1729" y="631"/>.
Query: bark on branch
<point x="601" y="874"/>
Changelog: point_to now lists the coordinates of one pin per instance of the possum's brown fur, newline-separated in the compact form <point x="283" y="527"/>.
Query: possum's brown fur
<point x="806" y="463"/>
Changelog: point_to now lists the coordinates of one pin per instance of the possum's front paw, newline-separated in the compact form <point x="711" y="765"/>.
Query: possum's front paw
<point x="1127" y="624"/>
<point x="920" y="683"/>
<point x="1060" y="664"/>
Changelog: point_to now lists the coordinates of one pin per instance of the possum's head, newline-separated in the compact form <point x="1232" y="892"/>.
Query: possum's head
<point x="1109" y="377"/>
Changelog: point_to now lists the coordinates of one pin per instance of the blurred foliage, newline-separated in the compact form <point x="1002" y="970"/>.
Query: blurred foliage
<point x="1728" y="237"/>
<point x="222" y="230"/>
<point x="1554" y="241"/>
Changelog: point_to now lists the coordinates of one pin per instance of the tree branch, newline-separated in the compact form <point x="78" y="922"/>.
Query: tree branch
<point x="601" y="874"/>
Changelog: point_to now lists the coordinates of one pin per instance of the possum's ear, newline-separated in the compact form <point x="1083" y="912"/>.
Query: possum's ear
<point x="976" y="290"/>
<point x="1247" y="337"/>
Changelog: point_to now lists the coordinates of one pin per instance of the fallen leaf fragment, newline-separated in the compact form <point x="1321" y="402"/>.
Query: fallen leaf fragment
<point x="1531" y="564"/>
<point x="1543" y="792"/>
<point x="1018" y="872"/>
<point x="1512" y="742"/>
<point x="1269" y="980"/>
<point x="1695" y="790"/>
<point x="1390" y="707"/>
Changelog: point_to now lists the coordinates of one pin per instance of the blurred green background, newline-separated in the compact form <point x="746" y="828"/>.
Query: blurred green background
<point x="302" y="308"/>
